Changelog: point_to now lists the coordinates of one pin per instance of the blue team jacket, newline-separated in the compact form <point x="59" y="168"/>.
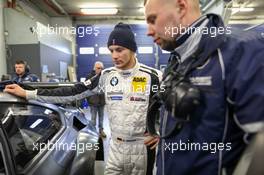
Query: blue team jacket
<point x="27" y="77"/>
<point x="232" y="86"/>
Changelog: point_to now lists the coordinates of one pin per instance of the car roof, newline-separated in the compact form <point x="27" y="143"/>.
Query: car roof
<point x="6" y="97"/>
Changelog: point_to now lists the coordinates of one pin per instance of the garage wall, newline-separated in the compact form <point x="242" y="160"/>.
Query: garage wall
<point x="2" y="41"/>
<point x="52" y="57"/>
<point x="19" y="28"/>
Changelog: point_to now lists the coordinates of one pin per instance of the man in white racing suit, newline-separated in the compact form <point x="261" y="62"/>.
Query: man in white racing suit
<point x="128" y="88"/>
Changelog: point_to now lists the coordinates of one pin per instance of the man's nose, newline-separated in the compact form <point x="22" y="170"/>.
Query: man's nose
<point x="114" y="55"/>
<point x="150" y="31"/>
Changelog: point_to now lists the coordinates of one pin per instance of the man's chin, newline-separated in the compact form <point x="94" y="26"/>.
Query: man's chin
<point x="169" y="49"/>
<point x="168" y="46"/>
<point x="118" y="66"/>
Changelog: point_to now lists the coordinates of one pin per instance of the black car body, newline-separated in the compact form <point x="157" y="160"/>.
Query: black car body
<point x="41" y="139"/>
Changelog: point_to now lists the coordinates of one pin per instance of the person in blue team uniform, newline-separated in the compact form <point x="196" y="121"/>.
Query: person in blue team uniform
<point x="222" y="72"/>
<point x="22" y="73"/>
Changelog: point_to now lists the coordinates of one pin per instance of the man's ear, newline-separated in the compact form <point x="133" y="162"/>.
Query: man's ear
<point x="182" y="7"/>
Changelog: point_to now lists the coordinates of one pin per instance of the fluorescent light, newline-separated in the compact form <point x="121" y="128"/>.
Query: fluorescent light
<point x="246" y="9"/>
<point x="98" y="5"/>
<point x="99" y="11"/>
<point x="104" y="51"/>
<point x="141" y="10"/>
<point x="242" y="9"/>
<point x="86" y="50"/>
<point x="145" y="50"/>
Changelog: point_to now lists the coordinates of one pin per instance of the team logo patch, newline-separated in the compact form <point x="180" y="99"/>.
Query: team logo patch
<point x="114" y="81"/>
<point x="137" y="99"/>
<point x="116" y="98"/>
<point x="139" y="84"/>
<point x="202" y="81"/>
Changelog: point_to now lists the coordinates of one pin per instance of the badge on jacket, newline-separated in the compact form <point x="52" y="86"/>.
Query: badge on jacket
<point x="114" y="81"/>
<point x="139" y="84"/>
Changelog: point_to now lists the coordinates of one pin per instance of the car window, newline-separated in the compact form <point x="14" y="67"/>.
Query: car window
<point x="28" y="127"/>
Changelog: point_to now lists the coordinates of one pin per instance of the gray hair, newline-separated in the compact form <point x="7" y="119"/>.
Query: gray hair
<point x="100" y="63"/>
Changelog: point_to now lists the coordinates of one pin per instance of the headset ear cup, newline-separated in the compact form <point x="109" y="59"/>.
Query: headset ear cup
<point x="27" y="68"/>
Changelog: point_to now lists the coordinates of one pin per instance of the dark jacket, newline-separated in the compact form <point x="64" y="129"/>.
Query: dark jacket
<point x="231" y="82"/>
<point x="97" y="99"/>
<point x="27" y="77"/>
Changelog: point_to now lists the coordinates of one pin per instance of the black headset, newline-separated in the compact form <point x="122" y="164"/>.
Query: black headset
<point x="27" y="67"/>
<point x="179" y="96"/>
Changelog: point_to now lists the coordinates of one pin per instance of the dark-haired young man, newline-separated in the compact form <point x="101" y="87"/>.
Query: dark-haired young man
<point x="22" y="73"/>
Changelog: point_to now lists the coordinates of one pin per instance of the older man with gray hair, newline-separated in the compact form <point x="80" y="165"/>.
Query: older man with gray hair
<point x="97" y="101"/>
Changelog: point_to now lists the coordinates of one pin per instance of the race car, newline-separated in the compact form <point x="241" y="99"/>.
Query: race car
<point x="40" y="139"/>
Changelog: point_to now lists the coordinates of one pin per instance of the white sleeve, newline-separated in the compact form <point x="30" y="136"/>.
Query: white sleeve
<point x="31" y="95"/>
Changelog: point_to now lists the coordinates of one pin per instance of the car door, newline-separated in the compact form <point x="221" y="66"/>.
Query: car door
<point x="28" y="128"/>
<point x="7" y="165"/>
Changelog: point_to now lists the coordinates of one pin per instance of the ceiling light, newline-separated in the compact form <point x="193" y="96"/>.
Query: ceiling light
<point x="246" y="9"/>
<point x="242" y="9"/>
<point x="98" y="5"/>
<point x="99" y="11"/>
<point x="142" y="10"/>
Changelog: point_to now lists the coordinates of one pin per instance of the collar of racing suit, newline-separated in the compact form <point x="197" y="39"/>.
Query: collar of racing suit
<point x="129" y="72"/>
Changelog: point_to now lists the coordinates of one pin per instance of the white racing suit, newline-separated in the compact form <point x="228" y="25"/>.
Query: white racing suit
<point x="127" y="95"/>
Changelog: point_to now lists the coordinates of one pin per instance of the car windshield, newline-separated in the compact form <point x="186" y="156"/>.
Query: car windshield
<point x="27" y="125"/>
